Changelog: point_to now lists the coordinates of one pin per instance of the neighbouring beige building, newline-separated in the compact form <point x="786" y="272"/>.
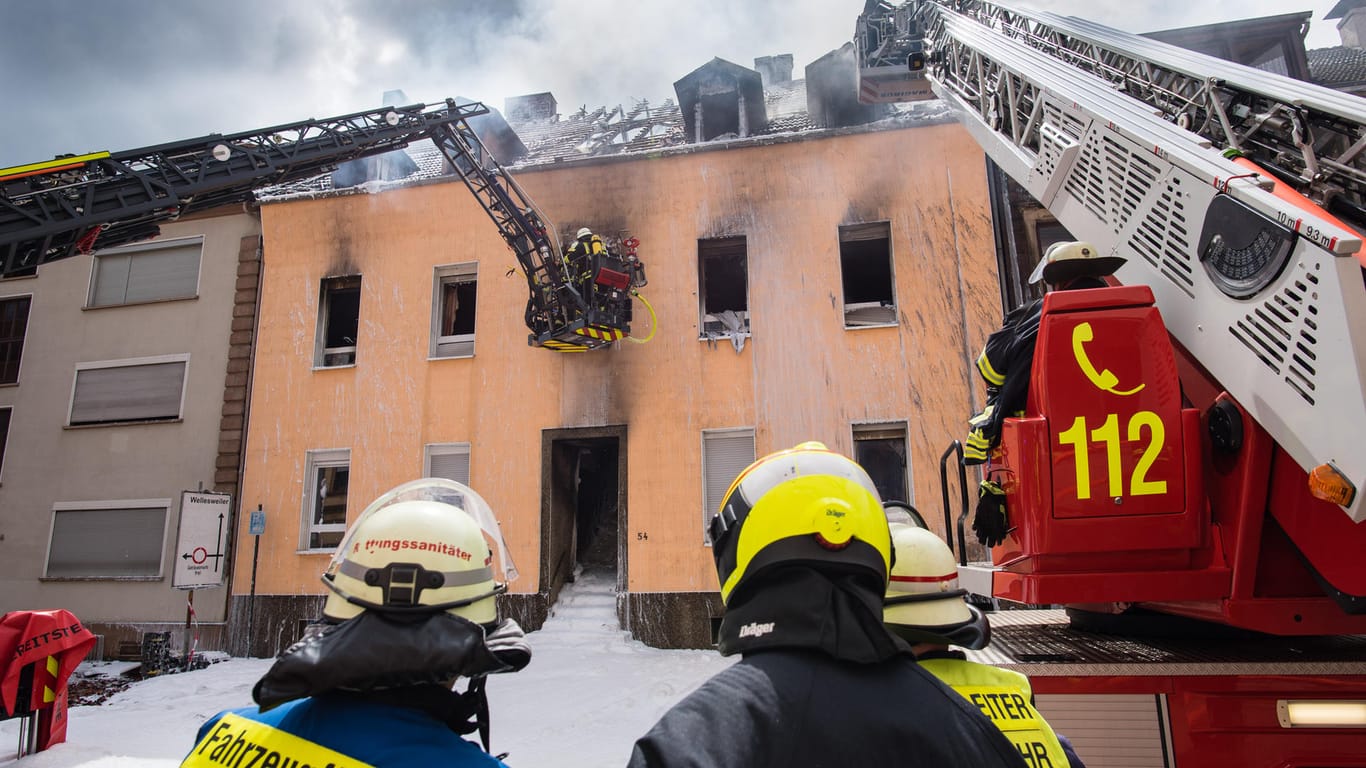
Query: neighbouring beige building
<point x="124" y="386"/>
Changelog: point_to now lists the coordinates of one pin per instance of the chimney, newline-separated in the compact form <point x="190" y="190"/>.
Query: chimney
<point x="1352" y="28"/>
<point x="774" y="69"/>
<point x="534" y="106"/>
<point x="390" y="166"/>
<point x="721" y="100"/>
<point x="832" y="92"/>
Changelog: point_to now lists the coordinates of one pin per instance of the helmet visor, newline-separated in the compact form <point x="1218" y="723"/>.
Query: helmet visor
<point x="442" y="491"/>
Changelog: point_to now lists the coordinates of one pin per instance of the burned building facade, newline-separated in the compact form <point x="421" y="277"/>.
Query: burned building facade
<point x="805" y="284"/>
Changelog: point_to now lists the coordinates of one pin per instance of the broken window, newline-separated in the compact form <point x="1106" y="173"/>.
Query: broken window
<point x="328" y="474"/>
<point x="866" y="273"/>
<point x="453" y="311"/>
<point x="725" y="454"/>
<point x="148" y="389"/>
<point x="723" y="282"/>
<point x="448" y="460"/>
<point x="881" y="450"/>
<point x="137" y="274"/>
<point x="107" y="539"/>
<point x="13" y="326"/>
<point x="338" y="321"/>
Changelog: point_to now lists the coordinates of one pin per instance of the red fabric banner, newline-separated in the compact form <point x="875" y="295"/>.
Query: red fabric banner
<point x="34" y="637"/>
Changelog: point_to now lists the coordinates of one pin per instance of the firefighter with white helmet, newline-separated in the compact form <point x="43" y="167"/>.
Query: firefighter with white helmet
<point x="802" y="552"/>
<point x="926" y="607"/>
<point x="1005" y="363"/>
<point x="411" y="608"/>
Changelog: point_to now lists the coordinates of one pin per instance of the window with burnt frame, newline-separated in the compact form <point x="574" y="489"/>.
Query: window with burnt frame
<point x="453" y="304"/>
<point x="881" y="450"/>
<point x="338" y="321"/>
<point x="13" y="327"/>
<point x="866" y="275"/>
<point x="723" y="285"/>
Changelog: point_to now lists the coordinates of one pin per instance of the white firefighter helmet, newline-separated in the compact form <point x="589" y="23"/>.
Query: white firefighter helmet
<point x="428" y="545"/>
<point x="584" y="232"/>
<point x="1066" y="261"/>
<point x="924" y="602"/>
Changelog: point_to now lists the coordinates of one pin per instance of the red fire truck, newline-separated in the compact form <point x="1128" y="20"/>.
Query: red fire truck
<point x="1183" y="487"/>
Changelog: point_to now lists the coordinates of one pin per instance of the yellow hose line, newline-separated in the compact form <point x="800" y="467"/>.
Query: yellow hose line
<point x="654" y="320"/>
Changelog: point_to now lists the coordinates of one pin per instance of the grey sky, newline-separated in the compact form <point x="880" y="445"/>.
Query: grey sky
<point x="86" y="75"/>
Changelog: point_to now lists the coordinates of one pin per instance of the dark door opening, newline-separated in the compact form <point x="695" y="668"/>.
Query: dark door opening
<point x="582" y="524"/>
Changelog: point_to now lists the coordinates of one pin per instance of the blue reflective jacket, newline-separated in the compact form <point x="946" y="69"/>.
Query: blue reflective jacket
<point x="380" y="735"/>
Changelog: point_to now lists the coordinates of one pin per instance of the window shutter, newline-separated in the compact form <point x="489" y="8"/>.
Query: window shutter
<point x="166" y="273"/>
<point x="724" y="456"/>
<point x="128" y="393"/>
<point x="111" y="280"/>
<point x="452" y="466"/>
<point x="154" y="274"/>
<point x="106" y="542"/>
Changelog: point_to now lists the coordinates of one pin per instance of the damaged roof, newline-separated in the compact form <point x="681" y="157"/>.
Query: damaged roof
<point x="607" y="131"/>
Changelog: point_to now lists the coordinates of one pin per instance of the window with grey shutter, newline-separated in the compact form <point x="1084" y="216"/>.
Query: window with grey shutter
<point x="449" y="460"/>
<point x="158" y="272"/>
<point x="725" y="454"/>
<point x="106" y="543"/>
<point x="110" y="394"/>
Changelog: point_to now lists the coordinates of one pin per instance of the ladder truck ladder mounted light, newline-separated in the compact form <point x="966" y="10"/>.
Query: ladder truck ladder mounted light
<point x="1124" y="138"/>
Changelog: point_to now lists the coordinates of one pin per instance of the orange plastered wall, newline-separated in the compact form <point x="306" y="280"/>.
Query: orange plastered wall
<point x="801" y="376"/>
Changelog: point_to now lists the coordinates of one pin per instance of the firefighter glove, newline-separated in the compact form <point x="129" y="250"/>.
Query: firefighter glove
<point x="990" y="522"/>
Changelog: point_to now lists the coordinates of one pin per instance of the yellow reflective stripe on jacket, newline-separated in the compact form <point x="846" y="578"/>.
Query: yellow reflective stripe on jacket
<point x="989" y="373"/>
<point x="1004" y="697"/>
<point x="236" y="742"/>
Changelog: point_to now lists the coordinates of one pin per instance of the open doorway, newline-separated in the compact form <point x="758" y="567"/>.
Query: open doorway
<point x="583" y="506"/>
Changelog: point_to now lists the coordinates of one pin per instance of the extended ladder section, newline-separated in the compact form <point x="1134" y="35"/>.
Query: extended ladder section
<point x="56" y="209"/>
<point x="77" y="204"/>
<point x="572" y="308"/>
<point x="1122" y="139"/>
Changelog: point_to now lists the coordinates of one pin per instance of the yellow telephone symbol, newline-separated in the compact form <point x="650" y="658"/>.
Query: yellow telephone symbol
<point x="1103" y="379"/>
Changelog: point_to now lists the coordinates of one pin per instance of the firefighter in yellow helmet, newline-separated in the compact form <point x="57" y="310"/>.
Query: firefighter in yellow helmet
<point x="925" y="606"/>
<point x="580" y="255"/>
<point x="802" y="552"/>
<point x="410" y="609"/>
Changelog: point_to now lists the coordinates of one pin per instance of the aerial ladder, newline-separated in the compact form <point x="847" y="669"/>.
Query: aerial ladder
<point x="80" y="203"/>
<point x="1188" y="452"/>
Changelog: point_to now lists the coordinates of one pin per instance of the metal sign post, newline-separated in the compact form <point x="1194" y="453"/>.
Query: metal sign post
<point x="256" y="527"/>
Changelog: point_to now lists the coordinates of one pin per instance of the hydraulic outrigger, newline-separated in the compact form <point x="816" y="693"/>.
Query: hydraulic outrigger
<point x="76" y="204"/>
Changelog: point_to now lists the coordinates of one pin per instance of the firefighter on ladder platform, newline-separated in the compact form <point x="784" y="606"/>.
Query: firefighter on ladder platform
<point x="1005" y="364"/>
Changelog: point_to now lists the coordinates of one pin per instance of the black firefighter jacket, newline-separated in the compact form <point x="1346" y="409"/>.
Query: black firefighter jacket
<point x="803" y="709"/>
